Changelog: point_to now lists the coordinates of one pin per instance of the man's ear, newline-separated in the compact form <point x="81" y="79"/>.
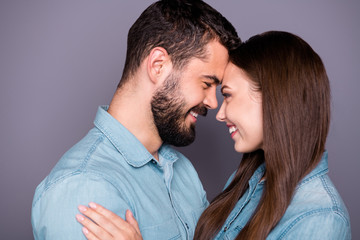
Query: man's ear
<point x="158" y="64"/>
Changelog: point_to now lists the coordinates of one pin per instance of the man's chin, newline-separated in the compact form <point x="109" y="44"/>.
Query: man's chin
<point x="182" y="144"/>
<point x="182" y="140"/>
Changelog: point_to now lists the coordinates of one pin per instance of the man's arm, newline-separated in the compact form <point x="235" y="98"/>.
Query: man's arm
<point x="55" y="207"/>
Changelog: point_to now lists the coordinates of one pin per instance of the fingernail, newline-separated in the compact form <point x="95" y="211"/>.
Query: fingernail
<point x="92" y="205"/>
<point x="82" y="208"/>
<point x="80" y="217"/>
<point x="85" y="230"/>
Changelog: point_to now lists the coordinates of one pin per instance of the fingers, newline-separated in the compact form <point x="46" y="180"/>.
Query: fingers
<point x="130" y="219"/>
<point x="118" y="221"/>
<point x="100" y="225"/>
<point x="104" y="224"/>
<point x="91" y="230"/>
<point x="89" y="235"/>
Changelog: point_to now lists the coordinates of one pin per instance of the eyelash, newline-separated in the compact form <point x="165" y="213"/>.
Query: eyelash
<point x="226" y="95"/>
<point x="207" y="84"/>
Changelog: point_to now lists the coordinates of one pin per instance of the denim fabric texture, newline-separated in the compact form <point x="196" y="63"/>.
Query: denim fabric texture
<point x="111" y="167"/>
<point x="315" y="212"/>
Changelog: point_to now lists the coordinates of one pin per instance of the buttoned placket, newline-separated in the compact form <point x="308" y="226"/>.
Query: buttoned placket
<point x="167" y="171"/>
<point x="251" y="191"/>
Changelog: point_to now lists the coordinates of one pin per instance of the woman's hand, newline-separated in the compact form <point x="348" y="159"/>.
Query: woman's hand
<point x="105" y="224"/>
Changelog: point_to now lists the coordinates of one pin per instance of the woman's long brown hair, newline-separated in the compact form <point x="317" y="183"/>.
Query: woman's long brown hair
<point x="296" y="116"/>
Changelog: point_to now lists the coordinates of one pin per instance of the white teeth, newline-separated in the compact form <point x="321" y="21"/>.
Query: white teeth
<point x="194" y="114"/>
<point x="232" y="129"/>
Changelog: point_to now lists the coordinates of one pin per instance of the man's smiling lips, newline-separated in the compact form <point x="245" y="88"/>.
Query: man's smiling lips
<point x="194" y="115"/>
<point x="232" y="129"/>
<point x="196" y="111"/>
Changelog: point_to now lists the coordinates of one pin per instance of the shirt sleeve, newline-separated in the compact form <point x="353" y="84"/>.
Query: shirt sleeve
<point x="328" y="225"/>
<point x="53" y="213"/>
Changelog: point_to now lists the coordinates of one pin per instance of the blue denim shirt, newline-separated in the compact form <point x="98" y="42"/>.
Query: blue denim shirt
<point x="315" y="212"/>
<point x="111" y="167"/>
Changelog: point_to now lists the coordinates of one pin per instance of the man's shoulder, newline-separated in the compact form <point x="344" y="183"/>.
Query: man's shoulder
<point x="92" y="157"/>
<point x="55" y="204"/>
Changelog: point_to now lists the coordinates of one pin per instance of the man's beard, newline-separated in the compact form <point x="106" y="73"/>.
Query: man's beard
<point x="168" y="108"/>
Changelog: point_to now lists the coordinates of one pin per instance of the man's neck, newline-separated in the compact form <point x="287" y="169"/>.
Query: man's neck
<point x="133" y="112"/>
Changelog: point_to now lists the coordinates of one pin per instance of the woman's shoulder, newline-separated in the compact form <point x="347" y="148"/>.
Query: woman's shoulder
<point x="317" y="193"/>
<point x="316" y="205"/>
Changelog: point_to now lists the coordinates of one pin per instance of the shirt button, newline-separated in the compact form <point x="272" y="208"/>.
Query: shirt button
<point x="187" y="226"/>
<point x="153" y="161"/>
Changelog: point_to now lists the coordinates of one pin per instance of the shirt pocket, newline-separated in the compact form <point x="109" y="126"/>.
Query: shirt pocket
<point x="167" y="230"/>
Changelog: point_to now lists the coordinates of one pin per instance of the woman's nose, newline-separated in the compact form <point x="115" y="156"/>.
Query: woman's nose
<point x="220" y="116"/>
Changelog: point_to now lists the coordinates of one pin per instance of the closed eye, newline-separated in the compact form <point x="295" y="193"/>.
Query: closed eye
<point x="226" y="95"/>
<point x="207" y="84"/>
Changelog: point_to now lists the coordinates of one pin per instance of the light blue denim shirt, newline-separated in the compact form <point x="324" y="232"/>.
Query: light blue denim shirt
<point x="315" y="212"/>
<point x="111" y="167"/>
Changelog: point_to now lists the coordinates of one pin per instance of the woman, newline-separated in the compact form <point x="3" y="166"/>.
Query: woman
<point x="277" y="107"/>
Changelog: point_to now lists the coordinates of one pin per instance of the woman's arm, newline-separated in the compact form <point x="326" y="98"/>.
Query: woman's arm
<point x="101" y="223"/>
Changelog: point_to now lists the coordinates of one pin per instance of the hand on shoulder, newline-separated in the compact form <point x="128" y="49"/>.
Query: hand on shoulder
<point x="100" y="223"/>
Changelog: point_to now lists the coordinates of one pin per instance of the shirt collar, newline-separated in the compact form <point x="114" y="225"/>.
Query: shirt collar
<point x="133" y="151"/>
<point x="319" y="170"/>
<point x="256" y="177"/>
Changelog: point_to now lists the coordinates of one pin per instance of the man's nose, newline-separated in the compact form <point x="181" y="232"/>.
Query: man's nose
<point x="210" y="100"/>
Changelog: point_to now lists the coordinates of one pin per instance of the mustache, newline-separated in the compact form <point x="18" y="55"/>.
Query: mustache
<point x="199" y="109"/>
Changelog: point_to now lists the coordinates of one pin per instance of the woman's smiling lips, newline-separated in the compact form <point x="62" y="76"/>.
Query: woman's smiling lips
<point x="232" y="129"/>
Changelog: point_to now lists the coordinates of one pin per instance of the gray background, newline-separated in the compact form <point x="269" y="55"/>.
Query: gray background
<point x="59" y="60"/>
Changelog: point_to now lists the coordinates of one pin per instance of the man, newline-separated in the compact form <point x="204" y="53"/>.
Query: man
<point x="177" y="54"/>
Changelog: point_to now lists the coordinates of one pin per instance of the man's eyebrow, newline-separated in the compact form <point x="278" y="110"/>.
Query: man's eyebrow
<point x="213" y="78"/>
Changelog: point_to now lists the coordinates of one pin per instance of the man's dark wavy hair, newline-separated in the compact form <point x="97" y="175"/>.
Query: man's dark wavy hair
<point x="181" y="27"/>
